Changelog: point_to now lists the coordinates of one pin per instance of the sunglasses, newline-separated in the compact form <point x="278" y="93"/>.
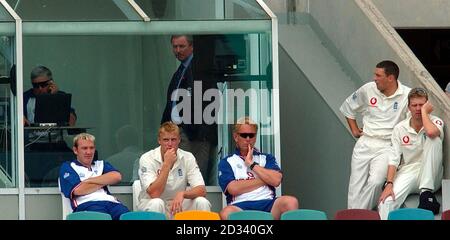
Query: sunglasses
<point x="41" y="84"/>
<point x="246" y="135"/>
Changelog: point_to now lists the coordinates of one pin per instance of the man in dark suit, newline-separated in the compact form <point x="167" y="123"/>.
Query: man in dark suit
<point x="185" y="107"/>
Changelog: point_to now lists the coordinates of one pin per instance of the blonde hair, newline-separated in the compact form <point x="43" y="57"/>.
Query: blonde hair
<point x="417" y="92"/>
<point x="83" y="136"/>
<point x="242" y="121"/>
<point x="168" y="127"/>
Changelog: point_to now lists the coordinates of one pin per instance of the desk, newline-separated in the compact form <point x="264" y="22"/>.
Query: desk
<point x="57" y="128"/>
<point x="71" y="130"/>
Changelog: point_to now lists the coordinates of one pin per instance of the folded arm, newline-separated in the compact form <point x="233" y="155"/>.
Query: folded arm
<point x="95" y="183"/>
<point x="269" y="176"/>
<point x="238" y="187"/>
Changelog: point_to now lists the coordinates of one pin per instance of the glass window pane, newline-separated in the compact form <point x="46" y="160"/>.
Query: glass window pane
<point x="202" y="9"/>
<point x="246" y="88"/>
<point x="104" y="74"/>
<point x="8" y="164"/>
<point x="4" y="15"/>
<point x="182" y="10"/>
<point x="74" y="10"/>
<point x="119" y="89"/>
<point x="243" y="9"/>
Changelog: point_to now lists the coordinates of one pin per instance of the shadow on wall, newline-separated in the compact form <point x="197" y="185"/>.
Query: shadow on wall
<point x="126" y="160"/>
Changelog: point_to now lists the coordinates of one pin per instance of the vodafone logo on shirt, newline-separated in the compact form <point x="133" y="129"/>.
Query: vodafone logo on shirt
<point x="373" y="101"/>
<point x="405" y="140"/>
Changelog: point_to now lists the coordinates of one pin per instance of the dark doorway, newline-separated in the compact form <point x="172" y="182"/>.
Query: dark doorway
<point x="432" y="48"/>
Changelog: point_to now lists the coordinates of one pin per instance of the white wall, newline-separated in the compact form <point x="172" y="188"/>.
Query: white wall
<point x="315" y="146"/>
<point x="415" y="13"/>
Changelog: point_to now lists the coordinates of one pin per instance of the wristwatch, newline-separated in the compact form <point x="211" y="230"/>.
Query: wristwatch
<point x="253" y="165"/>
<point x="388" y="182"/>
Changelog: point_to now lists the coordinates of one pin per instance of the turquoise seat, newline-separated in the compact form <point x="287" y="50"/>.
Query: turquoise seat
<point x="411" y="214"/>
<point x="142" y="216"/>
<point x="250" y="215"/>
<point x="88" y="215"/>
<point x="303" y="214"/>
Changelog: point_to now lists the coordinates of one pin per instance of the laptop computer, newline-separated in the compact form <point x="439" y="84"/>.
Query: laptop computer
<point x="52" y="109"/>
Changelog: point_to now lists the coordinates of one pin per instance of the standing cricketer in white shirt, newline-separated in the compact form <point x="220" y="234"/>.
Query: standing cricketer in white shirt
<point x="166" y="172"/>
<point x="382" y="104"/>
<point x="416" y="162"/>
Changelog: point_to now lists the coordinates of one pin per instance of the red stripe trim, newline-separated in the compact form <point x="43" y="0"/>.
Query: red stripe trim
<point x="72" y="197"/>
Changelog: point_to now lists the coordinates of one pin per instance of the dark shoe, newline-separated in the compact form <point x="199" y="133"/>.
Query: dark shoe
<point x="428" y="201"/>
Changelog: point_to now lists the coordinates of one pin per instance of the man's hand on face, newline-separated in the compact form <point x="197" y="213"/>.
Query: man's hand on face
<point x="170" y="157"/>
<point x="249" y="157"/>
<point x="52" y="87"/>
<point x="427" y="107"/>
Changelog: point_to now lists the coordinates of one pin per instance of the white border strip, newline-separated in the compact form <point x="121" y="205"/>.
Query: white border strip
<point x="43" y="191"/>
<point x="9" y="191"/>
<point x="113" y="190"/>
<point x="139" y="11"/>
<point x="141" y="28"/>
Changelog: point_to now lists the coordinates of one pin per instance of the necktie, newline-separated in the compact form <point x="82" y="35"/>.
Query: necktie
<point x="178" y="76"/>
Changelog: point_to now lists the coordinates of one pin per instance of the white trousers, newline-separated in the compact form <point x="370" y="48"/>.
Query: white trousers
<point x="159" y="205"/>
<point x="368" y="172"/>
<point x="411" y="178"/>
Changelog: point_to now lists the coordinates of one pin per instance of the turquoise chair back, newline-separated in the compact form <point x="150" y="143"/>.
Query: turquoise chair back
<point x="303" y="214"/>
<point x="411" y="214"/>
<point x="88" y="215"/>
<point x="250" y="215"/>
<point x="143" y="216"/>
